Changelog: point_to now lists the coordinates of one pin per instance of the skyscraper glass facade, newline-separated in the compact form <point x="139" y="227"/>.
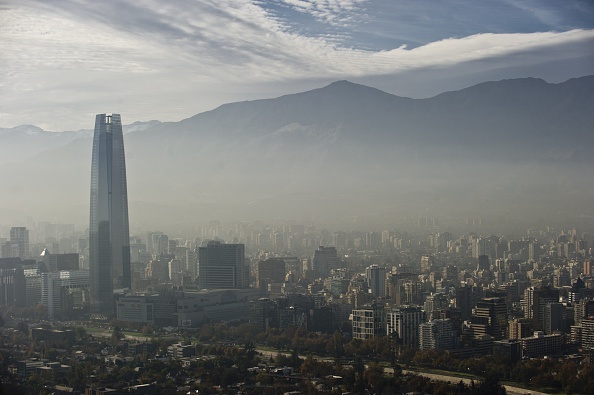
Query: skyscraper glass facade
<point x="109" y="240"/>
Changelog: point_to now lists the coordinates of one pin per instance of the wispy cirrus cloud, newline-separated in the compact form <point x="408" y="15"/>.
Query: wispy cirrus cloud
<point x="183" y="57"/>
<point x="333" y="12"/>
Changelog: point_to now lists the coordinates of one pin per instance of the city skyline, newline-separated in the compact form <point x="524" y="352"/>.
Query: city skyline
<point x="371" y="185"/>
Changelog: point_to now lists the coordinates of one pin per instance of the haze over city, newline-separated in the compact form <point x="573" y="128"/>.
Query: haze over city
<point x="65" y="61"/>
<point x="296" y="196"/>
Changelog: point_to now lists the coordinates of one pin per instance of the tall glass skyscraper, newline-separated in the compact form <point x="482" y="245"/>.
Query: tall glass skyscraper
<point x="109" y="235"/>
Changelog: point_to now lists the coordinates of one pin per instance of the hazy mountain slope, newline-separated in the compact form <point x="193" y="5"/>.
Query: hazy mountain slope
<point x="507" y="148"/>
<point x="24" y="141"/>
<point x="526" y="117"/>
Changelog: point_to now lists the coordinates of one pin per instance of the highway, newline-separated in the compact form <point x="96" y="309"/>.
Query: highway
<point x="511" y="390"/>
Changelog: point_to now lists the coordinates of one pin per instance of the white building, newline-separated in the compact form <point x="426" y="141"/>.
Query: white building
<point x="436" y="334"/>
<point x="405" y="322"/>
<point x="175" y="272"/>
<point x="368" y="321"/>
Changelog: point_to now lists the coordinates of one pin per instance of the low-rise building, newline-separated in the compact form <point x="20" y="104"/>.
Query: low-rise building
<point x="181" y="350"/>
<point x="540" y="345"/>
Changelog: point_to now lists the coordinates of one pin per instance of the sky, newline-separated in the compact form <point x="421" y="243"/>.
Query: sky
<point x="63" y="61"/>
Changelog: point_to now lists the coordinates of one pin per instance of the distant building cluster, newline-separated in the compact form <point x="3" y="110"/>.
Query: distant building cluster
<point x="465" y="292"/>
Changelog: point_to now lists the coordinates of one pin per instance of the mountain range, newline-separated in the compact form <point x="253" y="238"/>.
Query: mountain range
<point x="503" y="150"/>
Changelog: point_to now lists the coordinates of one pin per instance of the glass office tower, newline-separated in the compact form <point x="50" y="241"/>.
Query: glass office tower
<point x="109" y="240"/>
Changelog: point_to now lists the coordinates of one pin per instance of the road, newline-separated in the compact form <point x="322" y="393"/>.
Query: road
<point x="511" y="390"/>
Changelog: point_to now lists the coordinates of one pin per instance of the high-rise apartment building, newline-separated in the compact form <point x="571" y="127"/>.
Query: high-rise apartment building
<point x="222" y="266"/>
<point x="64" y="291"/>
<point x="555" y="318"/>
<point x="175" y="272"/>
<point x="109" y="237"/>
<point x="520" y="328"/>
<point x="376" y="280"/>
<point x="405" y="322"/>
<point x="12" y="284"/>
<point x="435" y="303"/>
<point x="427" y="263"/>
<point x="535" y="301"/>
<point x="324" y="260"/>
<point x="269" y="271"/>
<point x="483" y="262"/>
<point x="490" y="318"/>
<point x="466" y="298"/>
<point x="19" y="236"/>
<point x="588" y="333"/>
<point x="436" y="334"/>
<point x="368" y="321"/>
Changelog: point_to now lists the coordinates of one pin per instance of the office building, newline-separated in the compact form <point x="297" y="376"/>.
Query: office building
<point x="490" y="318"/>
<point x="58" y="262"/>
<point x="435" y="303"/>
<point x="376" y="280"/>
<point x="324" y="260"/>
<point x="519" y="328"/>
<point x="109" y="238"/>
<point x="12" y="285"/>
<point x="404" y="321"/>
<point x="222" y="266"/>
<point x="19" y="236"/>
<point x="466" y="298"/>
<point x="483" y="263"/>
<point x="427" y="263"/>
<point x="270" y="271"/>
<point x="540" y="345"/>
<point x="175" y="272"/>
<point x="32" y="287"/>
<point x="508" y="349"/>
<point x="192" y="263"/>
<point x="555" y="318"/>
<point x="534" y="304"/>
<point x="263" y="314"/>
<point x="587" y="333"/>
<point x="65" y="292"/>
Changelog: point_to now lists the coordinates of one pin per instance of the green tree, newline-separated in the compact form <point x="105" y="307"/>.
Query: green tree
<point x="311" y="367"/>
<point x="116" y="336"/>
<point x="148" y="329"/>
<point x="491" y="385"/>
<point x="23" y="328"/>
<point x="81" y="333"/>
<point x="335" y="346"/>
<point x="40" y="311"/>
<point x="250" y="350"/>
<point x="567" y="373"/>
<point x="374" y="377"/>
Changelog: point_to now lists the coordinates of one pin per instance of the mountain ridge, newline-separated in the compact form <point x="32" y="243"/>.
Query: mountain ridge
<point x="490" y="149"/>
<point x="505" y="108"/>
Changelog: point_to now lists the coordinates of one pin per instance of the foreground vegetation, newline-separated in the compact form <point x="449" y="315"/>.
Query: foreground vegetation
<point x="321" y="363"/>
